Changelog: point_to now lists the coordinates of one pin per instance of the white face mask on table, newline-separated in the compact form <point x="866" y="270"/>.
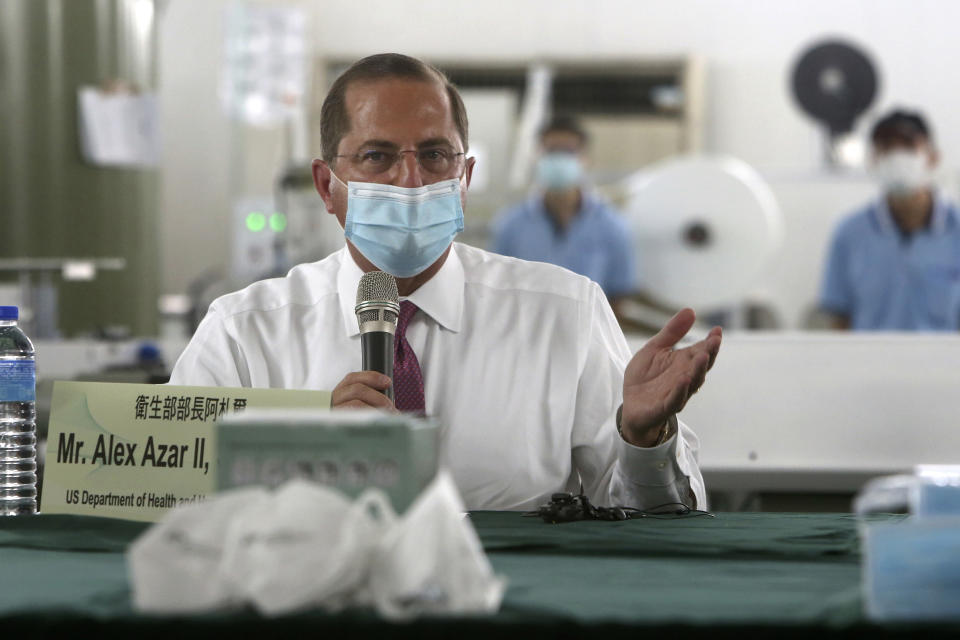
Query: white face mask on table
<point x="432" y="562"/>
<point x="902" y="172"/>
<point x="306" y="546"/>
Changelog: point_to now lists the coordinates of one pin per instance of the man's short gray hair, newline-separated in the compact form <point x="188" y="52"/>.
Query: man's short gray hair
<point x="334" y="120"/>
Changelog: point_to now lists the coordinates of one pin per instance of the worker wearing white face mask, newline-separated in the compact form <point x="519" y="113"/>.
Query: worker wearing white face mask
<point x="895" y="264"/>
<point x="564" y="222"/>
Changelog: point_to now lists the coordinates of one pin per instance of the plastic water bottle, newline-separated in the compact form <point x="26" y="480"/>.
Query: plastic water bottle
<point x="18" y="439"/>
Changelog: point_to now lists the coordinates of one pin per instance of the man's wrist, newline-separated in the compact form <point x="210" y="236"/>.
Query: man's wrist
<point x="651" y="437"/>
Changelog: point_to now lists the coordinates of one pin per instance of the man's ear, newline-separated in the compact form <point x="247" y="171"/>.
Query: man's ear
<point x="471" y="163"/>
<point x="933" y="158"/>
<point x="322" y="179"/>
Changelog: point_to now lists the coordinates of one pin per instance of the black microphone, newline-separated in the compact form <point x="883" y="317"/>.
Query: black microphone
<point x="378" y="308"/>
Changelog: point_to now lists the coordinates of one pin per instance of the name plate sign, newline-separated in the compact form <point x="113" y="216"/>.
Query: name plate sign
<point x="133" y="451"/>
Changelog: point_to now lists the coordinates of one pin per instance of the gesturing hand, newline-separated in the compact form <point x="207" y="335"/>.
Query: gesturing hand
<point x="659" y="379"/>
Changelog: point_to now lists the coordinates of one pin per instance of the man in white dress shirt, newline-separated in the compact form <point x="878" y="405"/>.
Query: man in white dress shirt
<point x="523" y="364"/>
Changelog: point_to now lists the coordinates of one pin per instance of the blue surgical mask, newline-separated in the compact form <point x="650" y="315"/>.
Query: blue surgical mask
<point x="559" y="170"/>
<point x="402" y="230"/>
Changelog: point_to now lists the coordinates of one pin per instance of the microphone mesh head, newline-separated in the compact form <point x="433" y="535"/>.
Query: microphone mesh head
<point x="377" y="286"/>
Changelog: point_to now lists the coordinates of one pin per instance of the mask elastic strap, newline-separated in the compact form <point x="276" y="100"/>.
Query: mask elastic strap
<point x="342" y="183"/>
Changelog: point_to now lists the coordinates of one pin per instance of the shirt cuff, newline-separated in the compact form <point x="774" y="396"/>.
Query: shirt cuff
<point x="652" y="466"/>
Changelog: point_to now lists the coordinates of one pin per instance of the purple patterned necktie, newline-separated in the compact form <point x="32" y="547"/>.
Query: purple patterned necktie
<point x="407" y="377"/>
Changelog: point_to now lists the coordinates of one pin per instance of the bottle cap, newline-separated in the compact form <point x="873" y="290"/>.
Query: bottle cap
<point x="9" y="313"/>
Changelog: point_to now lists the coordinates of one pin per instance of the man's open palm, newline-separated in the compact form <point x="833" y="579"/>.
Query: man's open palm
<point x="660" y="379"/>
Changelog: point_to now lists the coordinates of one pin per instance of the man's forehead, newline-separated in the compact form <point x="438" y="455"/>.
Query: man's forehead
<point x="901" y="141"/>
<point x="900" y="132"/>
<point x="561" y="137"/>
<point x="399" y="105"/>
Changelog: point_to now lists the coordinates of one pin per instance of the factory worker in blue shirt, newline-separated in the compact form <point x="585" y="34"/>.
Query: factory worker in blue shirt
<point x="894" y="265"/>
<point x="565" y="223"/>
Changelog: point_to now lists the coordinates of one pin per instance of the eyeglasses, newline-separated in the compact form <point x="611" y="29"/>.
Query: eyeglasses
<point x="438" y="162"/>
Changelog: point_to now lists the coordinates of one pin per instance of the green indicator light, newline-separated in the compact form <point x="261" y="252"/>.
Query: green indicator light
<point x="278" y="222"/>
<point x="256" y="221"/>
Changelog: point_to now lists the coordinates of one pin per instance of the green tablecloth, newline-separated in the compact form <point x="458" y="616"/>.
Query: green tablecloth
<point x="777" y="574"/>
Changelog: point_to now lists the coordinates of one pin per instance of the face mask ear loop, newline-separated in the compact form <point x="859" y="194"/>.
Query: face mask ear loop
<point x="334" y="176"/>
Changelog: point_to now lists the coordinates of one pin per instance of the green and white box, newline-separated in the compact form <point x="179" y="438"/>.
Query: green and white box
<point x="348" y="450"/>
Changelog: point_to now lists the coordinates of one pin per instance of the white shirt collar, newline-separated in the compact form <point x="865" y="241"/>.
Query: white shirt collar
<point x="441" y="297"/>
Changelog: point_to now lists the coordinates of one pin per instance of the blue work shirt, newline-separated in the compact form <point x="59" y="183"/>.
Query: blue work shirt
<point x="596" y="243"/>
<point x="883" y="279"/>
